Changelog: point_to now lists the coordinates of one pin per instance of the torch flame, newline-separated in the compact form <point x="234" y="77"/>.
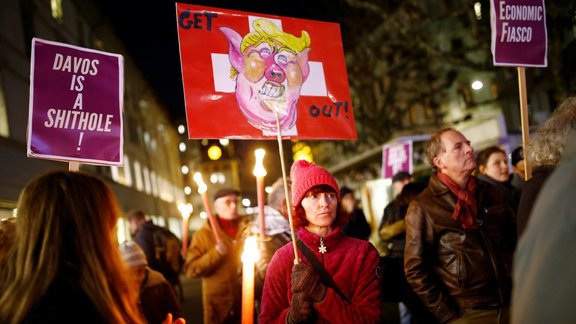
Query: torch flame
<point x="201" y="185"/>
<point x="250" y="253"/>
<point x="185" y="209"/>
<point x="259" y="170"/>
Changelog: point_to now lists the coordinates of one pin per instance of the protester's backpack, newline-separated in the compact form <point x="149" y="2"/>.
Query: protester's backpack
<point x="167" y="252"/>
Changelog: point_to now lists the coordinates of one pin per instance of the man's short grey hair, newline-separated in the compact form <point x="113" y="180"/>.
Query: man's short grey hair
<point x="434" y="145"/>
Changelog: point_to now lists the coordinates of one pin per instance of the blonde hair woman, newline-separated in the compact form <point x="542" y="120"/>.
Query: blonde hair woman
<point x="65" y="264"/>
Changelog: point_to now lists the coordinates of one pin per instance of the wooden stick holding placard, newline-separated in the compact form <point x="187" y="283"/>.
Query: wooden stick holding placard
<point x="524" y="116"/>
<point x="285" y="181"/>
<point x="73" y="166"/>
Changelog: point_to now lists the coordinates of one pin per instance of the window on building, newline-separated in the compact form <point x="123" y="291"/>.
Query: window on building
<point x="147" y="183"/>
<point x="127" y="173"/>
<point x="4" y="130"/>
<point x="162" y="186"/>
<point x="153" y="180"/>
<point x="166" y="190"/>
<point x="57" y="13"/>
<point x="122" y="174"/>
<point x="175" y="226"/>
<point x="138" y="176"/>
<point x="146" y="138"/>
<point x="153" y="145"/>
<point x="122" y="230"/>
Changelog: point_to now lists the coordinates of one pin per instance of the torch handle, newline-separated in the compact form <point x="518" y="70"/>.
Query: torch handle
<point x="262" y="225"/>
<point x="211" y="217"/>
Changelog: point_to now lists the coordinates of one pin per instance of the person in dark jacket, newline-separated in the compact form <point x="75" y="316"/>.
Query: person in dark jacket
<point x="517" y="176"/>
<point x="157" y="298"/>
<point x="460" y="238"/>
<point x="544" y="289"/>
<point x="543" y="152"/>
<point x="357" y="226"/>
<point x="151" y="238"/>
<point x="395" y="288"/>
<point x="492" y="166"/>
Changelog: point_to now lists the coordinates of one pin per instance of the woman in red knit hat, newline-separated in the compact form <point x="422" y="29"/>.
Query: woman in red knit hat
<point x="297" y="293"/>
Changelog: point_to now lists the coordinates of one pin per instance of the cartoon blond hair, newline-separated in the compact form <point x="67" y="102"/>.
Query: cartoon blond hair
<point x="266" y="31"/>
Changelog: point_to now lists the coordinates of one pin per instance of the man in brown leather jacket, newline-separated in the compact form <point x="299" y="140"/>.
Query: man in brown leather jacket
<point x="459" y="238"/>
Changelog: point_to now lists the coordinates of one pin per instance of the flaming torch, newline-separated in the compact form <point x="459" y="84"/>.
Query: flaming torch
<point x="185" y="210"/>
<point x="249" y="258"/>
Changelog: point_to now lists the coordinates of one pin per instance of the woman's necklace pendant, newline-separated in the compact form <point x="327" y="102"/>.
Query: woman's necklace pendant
<point x="322" y="248"/>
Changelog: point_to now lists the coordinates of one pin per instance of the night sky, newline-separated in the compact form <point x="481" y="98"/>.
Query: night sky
<point x="148" y="29"/>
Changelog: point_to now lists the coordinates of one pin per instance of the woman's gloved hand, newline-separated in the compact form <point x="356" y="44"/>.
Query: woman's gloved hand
<point x="305" y="280"/>
<point x="300" y="308"/>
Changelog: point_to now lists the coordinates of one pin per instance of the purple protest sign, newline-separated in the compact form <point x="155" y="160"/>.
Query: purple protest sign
<point x="76" y="103"/>
<point x="519" y="36"/>
<point x="395" y="158"/>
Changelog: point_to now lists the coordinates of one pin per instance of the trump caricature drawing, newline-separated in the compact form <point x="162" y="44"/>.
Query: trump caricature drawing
<point x="269" y="67"/>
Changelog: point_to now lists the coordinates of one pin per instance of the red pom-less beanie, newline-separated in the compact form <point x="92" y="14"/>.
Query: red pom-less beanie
<point x="305" y="175"/>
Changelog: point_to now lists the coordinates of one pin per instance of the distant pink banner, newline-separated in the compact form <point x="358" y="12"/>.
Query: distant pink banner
<point x="76" y="103"/>
<point x="395" y="158"/>
<point x="519" y="36"/>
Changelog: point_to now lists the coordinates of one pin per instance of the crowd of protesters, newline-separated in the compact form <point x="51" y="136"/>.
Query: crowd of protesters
<point x="476" y="243"/>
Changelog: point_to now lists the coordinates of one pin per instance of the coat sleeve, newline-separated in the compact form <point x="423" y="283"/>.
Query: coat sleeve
<point x="170" y="301"/>
<point x="276" y="294"/>
<point x="418" y="265"/>
<point x="202" y="258"/>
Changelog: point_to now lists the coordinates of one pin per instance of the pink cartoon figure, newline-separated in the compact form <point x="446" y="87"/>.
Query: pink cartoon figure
<point x="270" y="67"/>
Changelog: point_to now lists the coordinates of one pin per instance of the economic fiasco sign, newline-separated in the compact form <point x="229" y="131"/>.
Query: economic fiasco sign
<point x="519" y="36"/>
<point x="244" y="73"/>
<point x="76" y="103"/>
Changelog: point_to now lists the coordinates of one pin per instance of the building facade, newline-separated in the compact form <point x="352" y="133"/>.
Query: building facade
<point x="150" y="178"/>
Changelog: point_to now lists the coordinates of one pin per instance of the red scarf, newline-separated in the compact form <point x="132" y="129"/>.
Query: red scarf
<point x="466" y="208"/>
<point x="230" y="227"/>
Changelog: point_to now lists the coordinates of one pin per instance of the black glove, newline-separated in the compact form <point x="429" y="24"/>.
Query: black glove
<point x="300" y="309"/>
<point x="305" y="280"/>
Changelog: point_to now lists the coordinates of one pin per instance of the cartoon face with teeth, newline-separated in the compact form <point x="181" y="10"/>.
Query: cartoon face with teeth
<point x="270" y="67"/>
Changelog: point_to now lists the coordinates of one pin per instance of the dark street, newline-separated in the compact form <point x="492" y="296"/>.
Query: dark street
<point x="192" y="303"/>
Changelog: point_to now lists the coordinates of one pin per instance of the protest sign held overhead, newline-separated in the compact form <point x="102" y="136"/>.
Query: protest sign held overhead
<point x="395" y="158"/>
<point x="76" y="100"/>
<point x="519" y="36"/>
<point x="244" y="73"/>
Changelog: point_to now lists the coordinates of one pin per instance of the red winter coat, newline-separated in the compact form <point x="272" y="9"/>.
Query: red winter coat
<point x="354" y="266"/>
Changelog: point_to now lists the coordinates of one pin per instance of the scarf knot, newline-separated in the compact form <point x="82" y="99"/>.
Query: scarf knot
<point x="466" y="207"/>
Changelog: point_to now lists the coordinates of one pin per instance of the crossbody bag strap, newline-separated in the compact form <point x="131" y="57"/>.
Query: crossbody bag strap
<point x="320" y="270"/>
